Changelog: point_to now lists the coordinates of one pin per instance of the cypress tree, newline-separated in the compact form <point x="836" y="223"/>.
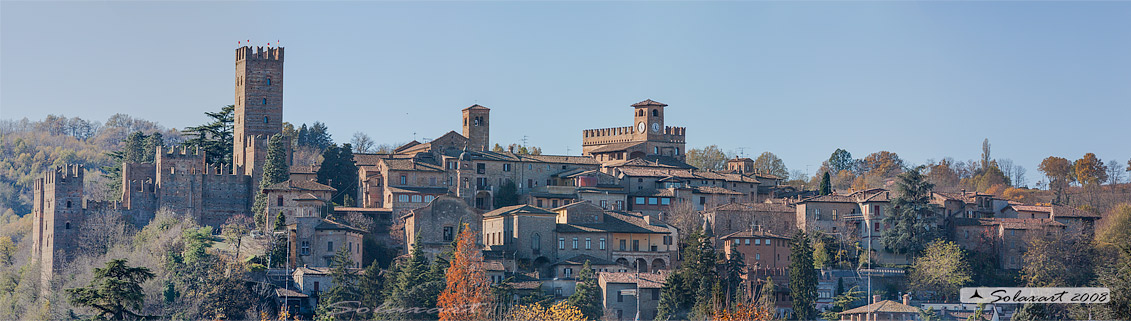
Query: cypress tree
<point x="587" y="297"/>
<point x="802" y="278"/>
<point x="275" y="170"/>
<point x="826" y="184"/>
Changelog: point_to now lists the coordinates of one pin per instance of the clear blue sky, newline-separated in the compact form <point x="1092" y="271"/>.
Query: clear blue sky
<point x="800" y="79"/>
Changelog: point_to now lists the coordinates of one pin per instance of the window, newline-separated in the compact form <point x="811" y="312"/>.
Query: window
<point x="665" y="201"/>
<point x="536" y="243"/>
<point x="561" y="243"/>
<point x="429" y="198"/>
<point x="351" y="246"/>
<point x="568" y="272"/>
<point x="677" y="153"/>
<point x="757" y="241"/>
<point x="432" y="181"/>
<point x="588" y="243"/>
<point x="554" y="203"/>
<point x="506" y="167"/>
<point x="604" y="204"/>
<point x="575" y="243"/>
<point x="966" y="233"/>
<point x="329" y="246"/>
<point x="268" y="81"/>
<point x="481" y="168"/>
<point x="817" y="214"/>
<point x="702" y="200"/>
<point x="652" y="201"/>
<point x="416" y="198"/>
<point x="757" y="256"/>
<point x="747" y="241"/>
<point x="667" y="240"/>
<point x="653" y="248"/>
<point x="767" y="241"/>
<point x="68" y="204"/>
<point x="656" y="150"/>
<point x="305" y="248"/>
<point x="404" y="179"/>
<point x="620" y="298"/>
<point x="636" y="245"/>
<point x="449" y="233"/>
<point x="265" y="102"/>
<point x="655" y="113"/>
<point x="601" y="245"/>
<point x="68" y="225"/>
<point x="876" y="226"/>
<point x="640" y="200"/>
<point x="623" y="245"/>
<point x="280" y="201"/>
<point x="539" y="203"/>
<point x="403" y="198"/>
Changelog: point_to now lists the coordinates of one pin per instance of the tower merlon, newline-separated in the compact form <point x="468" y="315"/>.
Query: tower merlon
<point x="259" y="53"/>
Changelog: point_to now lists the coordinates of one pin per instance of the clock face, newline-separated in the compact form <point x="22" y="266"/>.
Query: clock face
<point x="655" y="127"/>
<point x="640" y="127"/>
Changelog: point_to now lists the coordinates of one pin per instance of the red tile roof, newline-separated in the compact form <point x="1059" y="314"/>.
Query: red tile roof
<point x="886" y="306"/>
<point x="649" y="102"/>
<point x="642" y="280"/>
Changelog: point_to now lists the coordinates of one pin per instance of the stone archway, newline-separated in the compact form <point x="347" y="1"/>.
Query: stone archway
<point x="641" y="265"/>
<point x="542" y="266"/>
<point x="636" y="155"/>
<point x="483" y="200"/>
<point x="623" y="262"/>
<point x="658" y="264"/>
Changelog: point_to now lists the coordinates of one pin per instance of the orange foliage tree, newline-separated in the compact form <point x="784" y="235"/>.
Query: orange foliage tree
<point x="743" y="312"/>
<point x="560" y="311"/>
<point x="468" y="292"/>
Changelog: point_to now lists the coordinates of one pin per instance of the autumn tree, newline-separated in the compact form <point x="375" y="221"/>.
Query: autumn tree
<point x="802" y="277"/>
<point x="468" y="291"/>
<point x="561" y="311"/>
<point x="940" y="269"/>
<point x="841" y="160"/>
<point x="708" y="158"/>
<point x="767" y="299"/>
<point x="942" y="174"/>
<point x="742" y="312"/>
<point x="1060" y="173"/>
<point x="911" y="218"/>
<point x="1057" y="259"/>
<point x="879" y="166"/>
<point x="768" y="163"/>
<point x="115" y="292"/>
<point x="1114" y="268"/>
<point x="1090" y="170"/>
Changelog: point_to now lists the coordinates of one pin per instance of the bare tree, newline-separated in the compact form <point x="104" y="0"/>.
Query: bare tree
<point x="362" y="143"/>
<point x="1018" y="177"/>
<point x="1114" y="172"/>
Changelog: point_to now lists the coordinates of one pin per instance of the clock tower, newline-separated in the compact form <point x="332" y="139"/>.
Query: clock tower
<point x="648" y="120"/>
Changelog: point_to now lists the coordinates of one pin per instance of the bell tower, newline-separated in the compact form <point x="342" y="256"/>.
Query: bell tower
<point x="477" y="127"/>
<point x="259" y="106"/>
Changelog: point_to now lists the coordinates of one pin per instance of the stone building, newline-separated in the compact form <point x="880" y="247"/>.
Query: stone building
<point x="647" y="136"/>
<point x="776" y="218"/>
<point x="631" y="296"/>
<point x="436" y="225"/>
<point x="760" y="248"/>
<point x="294" y="198"/>
<point x="1002" y="237"/>
<point x="314" y="241"/>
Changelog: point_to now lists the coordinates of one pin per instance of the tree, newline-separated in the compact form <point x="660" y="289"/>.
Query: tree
<point x="468" y="290"/>
<point x="1057" y="259"/>
<point x="560" y="311"/>
<point x="768" y="163"/>
<point x="1090" y="170"/>
<point x="7" y="250"/>
<point x="986" y="159"/>
<point x="498" y="148"/>
<point x="802" y="277"/>
<point x="707" y="158"/>
<point x="507" y="195"/>
<point x="228" y="298"/>
<point x="940" y="269"/>
<point x="235" y="228"/>
<point x="881" y="165"/>
<point x="371" y="285"/>
<point x="345" y="283"/>
<point x="318" y="136"/>
<point x="912" y="218"/>
<point x="362" y="143"/>
<point x="842" y="302"/>
<point x="742" y="312"/>
<point x="821" y="258"/>
<point x="734" y="271"/>
<point x="1114" y="270"/>
<point x="1114" y="172"/>
<point x="826" y="184"/>
<point x="1060" y="173"/>
<point x="841" y="160"/>
<point x="587" y="296"/>
<point x="275" y="170"/>
<point x="114" y="291"/>
<point x="339" y="171"/>
<point x="214" y="139"/>
<point x="689" y="288"/>
<point x="767" y="299"/>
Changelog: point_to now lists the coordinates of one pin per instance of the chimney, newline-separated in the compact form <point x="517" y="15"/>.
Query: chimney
<point x="875" y="298"/>
<point x="907" y="299"/>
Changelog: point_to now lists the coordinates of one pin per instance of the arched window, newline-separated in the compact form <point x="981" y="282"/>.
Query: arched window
<point x="640" y="112"/>
<point x="264" y="101"/>
<point x="266" y="120"/>
<point x="655" y="113"/>
<point x="68" y="225"/>
<point x="536" y="242"/>
<point x="68" y="206"/>
<point x="268" y="81"/>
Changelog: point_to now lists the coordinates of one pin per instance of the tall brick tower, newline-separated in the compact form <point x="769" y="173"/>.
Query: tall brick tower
<point x="259" y="106"/>
<point x="649" y="119"/>
<point x="58" y="210"/>
<point x="477" y="127"/>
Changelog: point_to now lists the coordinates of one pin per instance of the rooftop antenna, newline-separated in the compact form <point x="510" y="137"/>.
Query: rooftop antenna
<point x="741" y="151"/>
<point x="523" y="140"/>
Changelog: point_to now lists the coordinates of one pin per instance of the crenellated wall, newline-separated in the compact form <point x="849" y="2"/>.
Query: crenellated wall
<point x="227" y="195"/>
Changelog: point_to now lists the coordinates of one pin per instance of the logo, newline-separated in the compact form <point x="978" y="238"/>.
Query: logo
<point x="1035" y="295"/>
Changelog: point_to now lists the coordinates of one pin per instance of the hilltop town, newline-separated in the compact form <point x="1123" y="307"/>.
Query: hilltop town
<point x="637" y="226"/>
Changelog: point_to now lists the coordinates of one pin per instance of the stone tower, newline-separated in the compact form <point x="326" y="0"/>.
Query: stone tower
<point x="649" y="119"/>
<point x="477" y="127"/>
<point x="259" y="106"/>
<point x="58" y="212"/>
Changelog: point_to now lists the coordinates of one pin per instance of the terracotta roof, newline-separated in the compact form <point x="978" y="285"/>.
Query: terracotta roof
<point x="650" y="161"/>
<point x="832" y="198"/>
<point x="411" y="164"/>
<point x="1033" y="208"/>
<point x="418" y="190"/>
<point x="369" y="159"/>
<point x="580" y="260"/>
<point x="642" y="280"/>
<point x="1065" y="211"/>
<point x="886" y="306"/>
<point x="715" y="190"/>
<point x="281" y="292"/>
<point x="301" y="185"/>
<point x="477" y="107"/>
<point x="312" y="270"/>
<point x="663" y="192"/>
<point x="617" y="222"/>
<point x="1010" y="223"/>
<point x="648" y="102"/>
<point x="332" y="225"/>
<point x="406" y="146"/>
<point x="756" y="207"/>
<point x="493" y="266"/>
<point x="883" y="196"/>
<point x="307" y="169"/>
<point x="614" y="147"/>
<point x="518" y="209"/>
<point x="758" y="233"/>
<point x="738" y="160"/>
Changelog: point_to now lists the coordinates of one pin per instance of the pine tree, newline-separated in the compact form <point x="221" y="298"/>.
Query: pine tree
<point x="114" y="291"/>
<point x="345" y="284"/>
<point x="303" y="138"/>
<point x="911" y="215"/>
<point x="215" y="139"/>
<point x="802" y="277"/>
<point x="468" y="292"/>
<point x="735" y="270"/>
<point x="767" y="299"/>
<point x="371" y="285"/>
<point x="587" y="296"/>
<point x="275" y="170"/>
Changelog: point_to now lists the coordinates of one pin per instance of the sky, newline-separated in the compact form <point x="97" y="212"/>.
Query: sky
<point x="926" y="80"/>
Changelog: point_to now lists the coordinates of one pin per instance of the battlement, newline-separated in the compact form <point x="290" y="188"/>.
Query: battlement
<point x="63" y="174"/>
<point x="675" y="131"/>
<point x="259" y="53"/>
<point x="178" y="152"/>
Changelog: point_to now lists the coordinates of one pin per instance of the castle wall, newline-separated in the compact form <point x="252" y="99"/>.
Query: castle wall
<point x="227" y="195"/>
<point x="179" y="182"/>
<point x="58" y="198"/>
<point x="138" y="187"/>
